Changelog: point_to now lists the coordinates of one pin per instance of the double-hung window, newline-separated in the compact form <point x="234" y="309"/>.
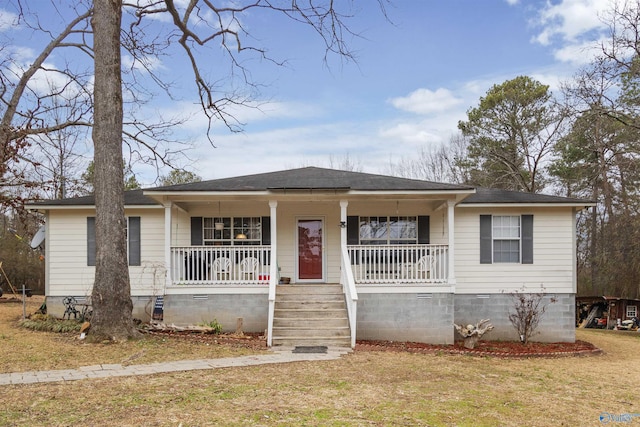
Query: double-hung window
<point x="632" y="311"/>
<point x="388" y="230"/>
<point x="132" y="230"/>
<point x="230" y="231"/>
<point x="506" y="239"/>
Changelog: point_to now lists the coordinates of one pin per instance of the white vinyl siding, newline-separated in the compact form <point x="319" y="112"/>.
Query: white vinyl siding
<point x="553" y="245"/>
<point x="66" y="261"/>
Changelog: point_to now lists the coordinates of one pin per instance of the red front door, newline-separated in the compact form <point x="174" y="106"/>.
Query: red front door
<point x="310" y="249"/>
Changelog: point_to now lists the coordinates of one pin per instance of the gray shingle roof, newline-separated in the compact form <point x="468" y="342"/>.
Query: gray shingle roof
<point x="497" y="196"/>
<point x="312" y="178"/>
<point x="131" y="198"/>
<point x="322" y="179"/>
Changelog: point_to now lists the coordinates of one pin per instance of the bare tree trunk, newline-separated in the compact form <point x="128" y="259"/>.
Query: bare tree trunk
<point x="111" y="297"/>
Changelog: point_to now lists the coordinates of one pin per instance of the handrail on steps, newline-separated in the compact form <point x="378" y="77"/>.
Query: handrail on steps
<point x="351" y="294"/>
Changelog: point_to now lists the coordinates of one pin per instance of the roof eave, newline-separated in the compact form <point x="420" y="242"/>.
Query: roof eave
<point x="44" y="208"/>
<point x="162" y="196"/>
<point x="581" y="205"/>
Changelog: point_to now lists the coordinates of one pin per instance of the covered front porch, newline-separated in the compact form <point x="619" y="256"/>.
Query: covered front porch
<point x="327" y="241"/>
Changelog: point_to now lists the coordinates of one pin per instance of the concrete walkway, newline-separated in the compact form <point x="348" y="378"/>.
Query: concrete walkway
<point x="117" y="370"/>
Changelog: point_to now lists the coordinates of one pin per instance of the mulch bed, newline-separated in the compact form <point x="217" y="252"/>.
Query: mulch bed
<point x="502" y="349"/>
<point x="253" y="341"/>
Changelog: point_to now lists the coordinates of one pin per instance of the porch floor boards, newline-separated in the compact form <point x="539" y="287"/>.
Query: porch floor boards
<point x="310" y="315"/>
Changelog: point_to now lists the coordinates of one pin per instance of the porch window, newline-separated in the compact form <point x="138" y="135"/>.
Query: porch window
<point x="388" y="230"/>
<point x="632" y="311"/>
<point x="232" y="231"/>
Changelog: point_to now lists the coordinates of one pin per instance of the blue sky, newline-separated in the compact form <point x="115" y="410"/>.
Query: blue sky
<point x="415" y="78"/>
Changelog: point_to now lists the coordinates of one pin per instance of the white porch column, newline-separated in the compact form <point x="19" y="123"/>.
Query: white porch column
<point x="451" y="204"/>
<point x="273" y="270"/>
<point x="274" y="237"/>
<point x="167" y="242"/>
<point x="343" y="220"/>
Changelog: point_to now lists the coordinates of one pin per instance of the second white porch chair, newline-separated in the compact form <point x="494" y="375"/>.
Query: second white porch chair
<point x="221" y="268"/>
<point x="249" y="269"/>
<point x="406" y="270"/>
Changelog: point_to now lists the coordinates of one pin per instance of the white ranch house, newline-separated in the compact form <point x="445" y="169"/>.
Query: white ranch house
<point x="366" y="256"/>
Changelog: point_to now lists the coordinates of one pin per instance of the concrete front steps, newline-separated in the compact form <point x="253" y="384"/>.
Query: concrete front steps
<point x="310" y="315"/>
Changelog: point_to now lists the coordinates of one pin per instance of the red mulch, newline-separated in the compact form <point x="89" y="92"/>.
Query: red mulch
<point x="503" y="349"/>
<point x="488" y="348"/>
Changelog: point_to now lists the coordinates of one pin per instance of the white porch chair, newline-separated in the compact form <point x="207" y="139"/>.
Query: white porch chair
<point x="406" y="270"/>
<point x="426" y="267"/>
<point x="221" y="268"/>
<point x="249" y="269"/>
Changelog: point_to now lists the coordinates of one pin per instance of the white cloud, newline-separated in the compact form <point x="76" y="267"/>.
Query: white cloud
<point x="574" y="29"/>
<point x="570" y="20"/>
<point x="512" y="2"/>
<point x="288" y="147"/>
<point x="8" y="20"/>
<point x="416" y="133"/>
<point x="250" y="113"/>
<point x="143" y="64"/>
<point x="579" y="53"/>
<point x="47" y="81"/>
<point x="425" y="101"/>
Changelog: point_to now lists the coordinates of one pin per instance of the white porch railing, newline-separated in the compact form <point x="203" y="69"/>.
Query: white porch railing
<point x="417" y="264"/>
<point x="350" y="293"/>
<point x="383" y="264"/>
<point x="220" y="264"/>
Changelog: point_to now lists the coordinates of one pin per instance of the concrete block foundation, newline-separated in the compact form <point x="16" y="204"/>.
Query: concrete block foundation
<point x="556" y="325"/>
<point x="406" y="317"/>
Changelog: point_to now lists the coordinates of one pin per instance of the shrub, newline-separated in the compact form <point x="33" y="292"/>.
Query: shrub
<point x="214" y="325"/>
<point x="42" y="322"/>
<point x="528" y="309"/>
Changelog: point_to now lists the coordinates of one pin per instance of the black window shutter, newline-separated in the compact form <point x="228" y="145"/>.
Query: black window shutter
<point x="196" y="231"/>
<point x="91" y="240"/>
<point x="266" y="238"/>
<point x="134" y="241"/>
<point x="423" y="230"/>
<point x="485" y="239"/>
<point x="527" y="239"/>
<point x="266" y="230"/>
<point x="353" y="230"/>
